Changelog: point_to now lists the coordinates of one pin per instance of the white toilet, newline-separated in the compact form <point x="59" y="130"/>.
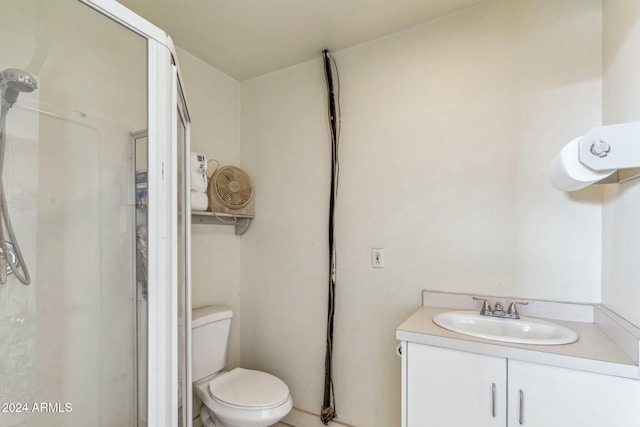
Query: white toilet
<point x="237" y="398"/>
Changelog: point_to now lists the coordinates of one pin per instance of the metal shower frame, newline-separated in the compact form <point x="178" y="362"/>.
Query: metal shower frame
<point x="165" y="96"/>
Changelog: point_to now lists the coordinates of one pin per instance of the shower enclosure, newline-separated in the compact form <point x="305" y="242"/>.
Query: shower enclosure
<point x="94" y="277"/>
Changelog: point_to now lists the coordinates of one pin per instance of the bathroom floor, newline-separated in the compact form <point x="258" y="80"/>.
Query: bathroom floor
<point x="281" y="424"/>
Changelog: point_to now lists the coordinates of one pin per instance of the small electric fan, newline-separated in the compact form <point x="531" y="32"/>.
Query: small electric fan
<point x="231" y="191"/>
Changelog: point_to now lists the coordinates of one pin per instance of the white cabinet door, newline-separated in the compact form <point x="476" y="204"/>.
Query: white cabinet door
<point x="563" y="397"/>
<point x="454" y="388"/>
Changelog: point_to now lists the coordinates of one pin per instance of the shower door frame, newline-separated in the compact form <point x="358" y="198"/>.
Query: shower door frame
<point x="163" y="100"/>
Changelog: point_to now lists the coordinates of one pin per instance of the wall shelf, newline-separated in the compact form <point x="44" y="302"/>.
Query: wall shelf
<point x="241" y="222"/>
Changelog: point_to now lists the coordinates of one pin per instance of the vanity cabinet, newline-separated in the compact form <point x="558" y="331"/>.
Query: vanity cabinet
<point x="553" y="396"/>
<point x="453" y="388"/>
<point x="458" y="389"/>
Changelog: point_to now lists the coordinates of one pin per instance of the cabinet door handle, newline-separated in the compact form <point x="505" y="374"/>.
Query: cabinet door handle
<point x="521" y="414"/>
<point x="493" y="400"/>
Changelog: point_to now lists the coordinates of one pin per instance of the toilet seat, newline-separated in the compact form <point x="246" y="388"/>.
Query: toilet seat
<point x="248" y="389"/>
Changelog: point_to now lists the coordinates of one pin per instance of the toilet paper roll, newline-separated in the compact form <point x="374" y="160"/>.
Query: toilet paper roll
<point x="198" y="162"/>
<point x="199" y="201"/>
<point x="568" y="174"/>
<point x="199" y="182"/>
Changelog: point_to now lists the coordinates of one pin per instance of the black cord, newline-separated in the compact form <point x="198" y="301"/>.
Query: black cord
<point x="328" y="412"/>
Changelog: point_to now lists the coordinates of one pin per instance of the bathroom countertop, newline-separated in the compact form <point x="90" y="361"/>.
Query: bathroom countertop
<point x="593" y="352"/>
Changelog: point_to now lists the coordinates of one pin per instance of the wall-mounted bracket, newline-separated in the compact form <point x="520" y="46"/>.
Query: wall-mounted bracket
<point x="611" y="147"/>
<point x="605" y="155"/>
<point x="241" y="222"/>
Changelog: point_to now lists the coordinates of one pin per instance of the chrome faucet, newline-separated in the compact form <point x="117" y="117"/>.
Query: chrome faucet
<point x="498" y="309"/>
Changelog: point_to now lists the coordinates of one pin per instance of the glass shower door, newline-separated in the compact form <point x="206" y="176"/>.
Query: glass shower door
<point x="183" y="227"/>
<point x="68" y="339"/>
<point x="140" y="144"/>
<point x="184" y="277"/>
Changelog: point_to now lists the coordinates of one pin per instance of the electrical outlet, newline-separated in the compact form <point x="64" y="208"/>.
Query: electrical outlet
<point x="377" y="257"/>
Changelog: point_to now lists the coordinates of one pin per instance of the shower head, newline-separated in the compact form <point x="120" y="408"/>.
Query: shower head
<point x="12" y="82"/>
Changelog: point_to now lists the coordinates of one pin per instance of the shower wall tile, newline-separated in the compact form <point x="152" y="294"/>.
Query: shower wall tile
<point x="18" y="302"/>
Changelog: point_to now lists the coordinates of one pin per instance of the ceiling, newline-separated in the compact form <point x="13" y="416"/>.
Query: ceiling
<point x="248" y="38"/>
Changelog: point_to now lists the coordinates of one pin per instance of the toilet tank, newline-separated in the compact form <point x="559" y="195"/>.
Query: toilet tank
<point x="209" y="334"/>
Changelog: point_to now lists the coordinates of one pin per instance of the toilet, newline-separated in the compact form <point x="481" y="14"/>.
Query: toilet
<point x="236" y="398"/>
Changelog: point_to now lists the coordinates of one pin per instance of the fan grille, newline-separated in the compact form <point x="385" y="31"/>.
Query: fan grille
<point x="231" y="186"/>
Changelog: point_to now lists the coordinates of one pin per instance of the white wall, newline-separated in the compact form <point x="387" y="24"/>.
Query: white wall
<point x="448" y="130"/>
<point x="621" y="103"/>
<point x="214" y="106"/>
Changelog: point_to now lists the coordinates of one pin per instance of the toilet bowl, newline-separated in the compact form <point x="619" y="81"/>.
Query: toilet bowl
<point x="243" y="398"/>
<point x="237" y="398"/>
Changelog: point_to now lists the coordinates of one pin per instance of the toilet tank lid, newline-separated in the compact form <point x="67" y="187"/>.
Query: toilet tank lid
<point x="208" y="314"/>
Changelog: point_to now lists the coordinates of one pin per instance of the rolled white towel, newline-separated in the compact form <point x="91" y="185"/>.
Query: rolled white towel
<point x="199" y="182"/>
<point x="199" y="201"/>
<point x="198" y="162"/>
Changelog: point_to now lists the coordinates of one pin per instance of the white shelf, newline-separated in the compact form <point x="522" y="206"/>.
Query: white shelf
<point x="241" y="222"/>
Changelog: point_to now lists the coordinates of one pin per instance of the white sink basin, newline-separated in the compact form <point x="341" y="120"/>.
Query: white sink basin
<point x="525" y="330"/>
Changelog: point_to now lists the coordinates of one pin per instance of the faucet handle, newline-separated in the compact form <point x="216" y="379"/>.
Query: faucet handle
<point x="513" y="309"/>
<point x="486" y="308"/>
